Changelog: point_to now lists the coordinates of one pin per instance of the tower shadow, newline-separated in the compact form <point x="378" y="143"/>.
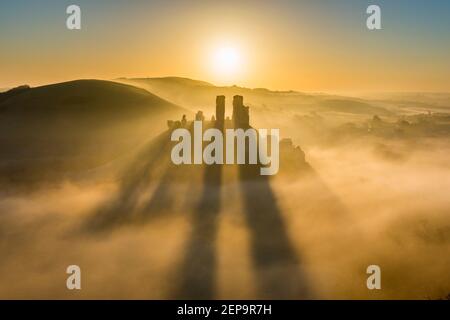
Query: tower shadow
<point x="176" y="182"/>
<point x="198" y="265"/>
<point x="162" y="197"/>
<point x="277" y="266"/>
<point x="135" y="179"/>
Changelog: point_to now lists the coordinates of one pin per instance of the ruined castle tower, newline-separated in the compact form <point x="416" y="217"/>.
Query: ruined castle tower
<point x="240" y="113"/>
<point x="246" y="117"/>
<point x="199" y="116"/>
<point x="237" y="105"/>
<point x="220" y="109"/>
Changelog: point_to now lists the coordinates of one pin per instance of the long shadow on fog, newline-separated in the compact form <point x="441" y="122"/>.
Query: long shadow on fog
<point x="198" y="266"/>
<point x="319" y="195"/>
<point x="134" y="181"/>
<point x="277" y="266"/>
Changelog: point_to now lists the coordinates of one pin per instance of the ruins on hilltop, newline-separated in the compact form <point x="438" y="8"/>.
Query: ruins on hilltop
<point x="240" y="117"/>
<point x="292" y="156"/>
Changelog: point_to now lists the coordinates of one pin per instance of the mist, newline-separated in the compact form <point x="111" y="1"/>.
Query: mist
<point x="361" y="182"/>
<point x="351" y="208"/>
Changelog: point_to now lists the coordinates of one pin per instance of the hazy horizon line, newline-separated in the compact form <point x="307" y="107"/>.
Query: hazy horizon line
<point x="327" y="92"/>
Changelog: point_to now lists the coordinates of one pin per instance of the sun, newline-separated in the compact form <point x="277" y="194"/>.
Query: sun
<point x="226" y="62"/>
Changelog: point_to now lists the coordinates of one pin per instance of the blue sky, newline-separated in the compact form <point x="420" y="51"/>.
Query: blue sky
<point x="37" y="48"/>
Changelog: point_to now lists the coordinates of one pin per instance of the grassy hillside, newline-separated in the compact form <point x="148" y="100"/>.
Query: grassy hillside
<point x="81" y="98"/>
<point x="48" y="130"/>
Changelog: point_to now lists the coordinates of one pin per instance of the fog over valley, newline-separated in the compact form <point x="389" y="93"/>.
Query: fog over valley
<point x="86" y="178"/>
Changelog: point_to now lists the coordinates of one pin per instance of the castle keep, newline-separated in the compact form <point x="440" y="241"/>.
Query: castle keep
<point x="240" y="116"/>
<point x="230" y="141"/>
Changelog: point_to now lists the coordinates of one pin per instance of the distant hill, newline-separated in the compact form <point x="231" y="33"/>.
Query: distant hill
<point x="172" y="81"/>
<point x="75" y="125"/>
<point x="351" y="106"/>
<point x="413" y="102"/>
<point x="196" y="95"/>
<point x="268" y="108"/>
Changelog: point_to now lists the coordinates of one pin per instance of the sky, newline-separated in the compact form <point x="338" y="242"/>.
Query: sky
<point x="318" y="46"/>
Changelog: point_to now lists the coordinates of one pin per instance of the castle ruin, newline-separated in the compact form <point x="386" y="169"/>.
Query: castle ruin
<point x="240" y="117"/>
<point x="293" y="156"/>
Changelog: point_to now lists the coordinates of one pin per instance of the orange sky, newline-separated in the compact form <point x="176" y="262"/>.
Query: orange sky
<point x="290" y="45"/>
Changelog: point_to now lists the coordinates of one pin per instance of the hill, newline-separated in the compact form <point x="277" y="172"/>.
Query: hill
<point x="80" y="97"/>
<point x="268" y="108"/>
<point x="172" y="81"/>
<point x="76" y="125"/>
<point x="195" y="93"/>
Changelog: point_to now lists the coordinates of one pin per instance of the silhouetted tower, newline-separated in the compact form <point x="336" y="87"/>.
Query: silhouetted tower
<point x="240" y="113"/>
<point x="199" y="116"/>
<point x="237" y="105"/>
<point x="245" y="117"/>
<point x="220" y="109"/>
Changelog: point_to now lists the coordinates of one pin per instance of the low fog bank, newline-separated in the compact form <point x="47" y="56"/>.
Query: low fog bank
<point x="381" y="203"/>
<point x="377" y="209"/>
<point x="102" y="193"/>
